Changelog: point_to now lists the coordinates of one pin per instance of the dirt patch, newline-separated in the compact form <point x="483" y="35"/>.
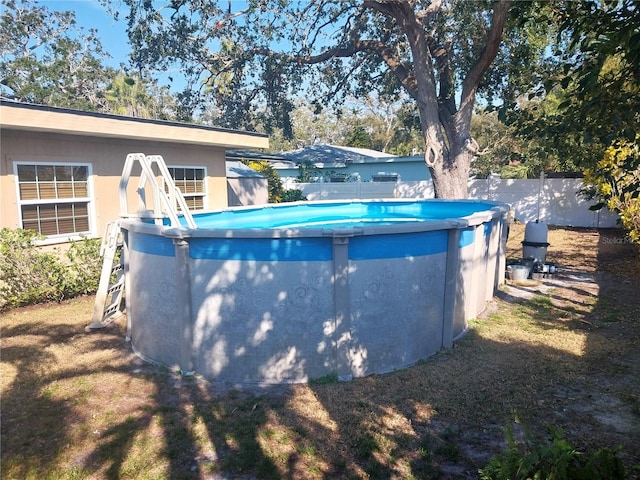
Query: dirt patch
<point x="561" y="350"/>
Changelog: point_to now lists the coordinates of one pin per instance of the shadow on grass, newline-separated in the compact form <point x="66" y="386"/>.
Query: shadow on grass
<point x="39" y="403"/>
<point x="32" y="420"/>
<point x="442" y="418"/>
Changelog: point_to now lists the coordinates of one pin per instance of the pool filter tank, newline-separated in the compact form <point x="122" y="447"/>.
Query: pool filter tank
<point x="534" y="247"/>
<point x="535" y="244"/>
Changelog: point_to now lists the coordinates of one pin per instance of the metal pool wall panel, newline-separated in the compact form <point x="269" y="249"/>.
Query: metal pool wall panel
<point x="493" y="249"/>
<point x="397" y="290"/>
<point x="480" y="268"/>
<point x="467" y="254"/>
<point x="263" y="308"/>
<point x="495" y="232"/>
<point x="157" y="328"/>
<point x="481" y="251"/>
<point x="501" y="261"/>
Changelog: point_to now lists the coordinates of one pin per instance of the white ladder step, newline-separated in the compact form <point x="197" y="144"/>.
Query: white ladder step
<point x="108" y="305"/>
<point x="116" y="287"/>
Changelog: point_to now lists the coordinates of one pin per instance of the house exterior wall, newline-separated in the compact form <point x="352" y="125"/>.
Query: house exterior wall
<point x="106" y="158"/>
<point x="409" y="169"/>
<point x="247" y="191"/>
<point x="88" y="150"/>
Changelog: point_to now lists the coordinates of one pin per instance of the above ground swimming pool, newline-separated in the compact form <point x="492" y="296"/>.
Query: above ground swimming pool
<point x="291" y="292"/>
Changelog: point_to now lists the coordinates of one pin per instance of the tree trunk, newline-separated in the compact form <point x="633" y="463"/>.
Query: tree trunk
<point x="451" y="176"/>
<point x="449" y="149"/>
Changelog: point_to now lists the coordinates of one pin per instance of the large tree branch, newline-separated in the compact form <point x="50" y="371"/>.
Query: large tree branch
<point x="492" y="45"/>
<point x="318" y="28"/>
<point x="446" y="77"/>
<point x="446" y="98"/>
<point x="402" y="11"/>
<point x="413" y="26"/>
<point x="402" y="73"/>
<point x="427" y="14"/>
<point x="389" y="8"/>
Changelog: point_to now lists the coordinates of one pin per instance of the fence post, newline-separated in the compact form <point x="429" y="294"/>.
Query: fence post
<point x="540" y="190"/>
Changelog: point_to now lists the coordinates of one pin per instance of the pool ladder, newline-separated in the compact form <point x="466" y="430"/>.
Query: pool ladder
<point x="168" y="202"/>
<point x="109" y="302"/>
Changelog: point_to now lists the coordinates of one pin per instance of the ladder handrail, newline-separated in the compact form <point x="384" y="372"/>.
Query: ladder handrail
<point x="160" y="197"/>
<point x="175" y="194"/>
<point x="124" y="181"/>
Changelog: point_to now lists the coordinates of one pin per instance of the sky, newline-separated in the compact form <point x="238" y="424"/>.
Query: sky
<point x="91" y="14"/>
<point x="112" y="33"/>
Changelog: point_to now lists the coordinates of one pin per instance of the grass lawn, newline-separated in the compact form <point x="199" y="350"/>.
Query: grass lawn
<point x="563" y="351"/>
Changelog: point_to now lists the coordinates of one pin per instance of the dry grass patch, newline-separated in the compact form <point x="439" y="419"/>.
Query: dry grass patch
<point x="560" y="351"/>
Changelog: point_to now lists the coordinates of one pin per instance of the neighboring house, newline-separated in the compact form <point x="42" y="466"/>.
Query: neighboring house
<point x="334" y="163"/>
<point x="60" y="169"/>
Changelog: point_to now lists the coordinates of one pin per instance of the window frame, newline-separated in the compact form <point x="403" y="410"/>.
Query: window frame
<point x="204" y="195"/>
<point x="88" y="200"/>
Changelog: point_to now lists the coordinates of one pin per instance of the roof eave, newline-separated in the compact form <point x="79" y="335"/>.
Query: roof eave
<point x="72" y="122"/>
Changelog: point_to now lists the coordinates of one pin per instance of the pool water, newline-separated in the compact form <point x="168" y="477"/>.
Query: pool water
<point x="338" y="214"/>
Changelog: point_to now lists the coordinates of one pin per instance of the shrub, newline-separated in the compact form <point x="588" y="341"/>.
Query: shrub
<point x="551" y="460"/>
<point x="306" y="172"/>
<point x="84" y="267"/>
<point x="273" y="179"/>
<point x="615" y="182"/>
<point x="29" y="275"/>
<point x="293" y="195"/>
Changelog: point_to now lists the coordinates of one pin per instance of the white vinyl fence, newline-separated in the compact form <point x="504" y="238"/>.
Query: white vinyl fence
<point x="554" y="201"/>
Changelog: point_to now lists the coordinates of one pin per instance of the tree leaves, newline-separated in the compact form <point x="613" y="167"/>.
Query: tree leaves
<point x="45" y="59"/>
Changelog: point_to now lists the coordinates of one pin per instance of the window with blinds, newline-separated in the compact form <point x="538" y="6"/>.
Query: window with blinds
<point x="54" y="199"/>
<point x="191" y="182"/>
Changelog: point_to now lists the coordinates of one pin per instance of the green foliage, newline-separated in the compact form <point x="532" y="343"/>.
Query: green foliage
<point x="293" y="195"/>
<point x="590" y="96"/>
<point x="603" y="67"/>
<point x="30" y="275"/>
<point x="46" y="59"/>
<point x="553" y="459"/>
<point x="259" y="55"/>
<point x="136" y="96"/>
<point x="549" y="138"/>
<point x="516" y="151"/>
<point x="128" y="96"/>
<point x="359" y="138"/>
<point x="325" y="380"/>
<point x="83" y="267"/>
<point x="615" y="182"/>
<point x="523" y="61"/>
<point x="27" y="275"/>
<point x="391" y="126"/>
<point x="500" y="148"/>
<point x="306" y="172"/>
<point x="516" y="171"/>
